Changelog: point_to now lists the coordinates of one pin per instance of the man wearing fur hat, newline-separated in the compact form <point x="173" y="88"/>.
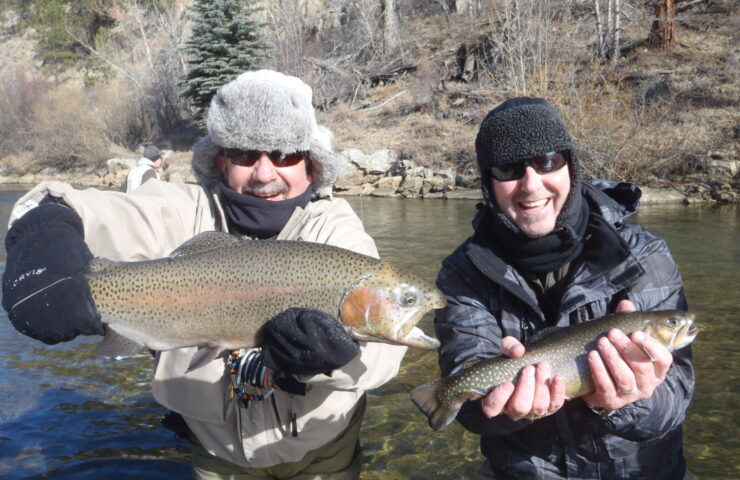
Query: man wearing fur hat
<point x="553" y="249"/>
<point x="145" y="169"/>
<point x="265" y="171"/>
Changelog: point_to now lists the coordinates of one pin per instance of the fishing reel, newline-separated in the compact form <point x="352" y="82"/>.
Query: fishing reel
<point x="249" y="370"/>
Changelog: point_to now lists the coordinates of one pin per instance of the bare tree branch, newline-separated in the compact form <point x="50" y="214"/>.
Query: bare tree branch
<point x="102" y="57"/>
<point x="140" y="22"/>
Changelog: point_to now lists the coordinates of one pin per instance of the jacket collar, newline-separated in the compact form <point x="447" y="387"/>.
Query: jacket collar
<point x="615" y="201"/>
<point x="605" y="255"/>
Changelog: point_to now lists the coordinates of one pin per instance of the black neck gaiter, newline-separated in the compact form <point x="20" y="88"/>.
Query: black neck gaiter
<point x="257" y="217"/>
<point x="535" y="256"/>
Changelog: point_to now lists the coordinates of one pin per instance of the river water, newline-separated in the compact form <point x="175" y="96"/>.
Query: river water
<point x="67" y="414"/>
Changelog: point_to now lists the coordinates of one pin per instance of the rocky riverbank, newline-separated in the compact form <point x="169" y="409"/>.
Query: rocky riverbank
<point x="382" y="173"/>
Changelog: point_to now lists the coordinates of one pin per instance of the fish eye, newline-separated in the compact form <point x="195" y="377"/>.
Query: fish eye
<point x="408" y="299"/>
<point x="673" y="321"/>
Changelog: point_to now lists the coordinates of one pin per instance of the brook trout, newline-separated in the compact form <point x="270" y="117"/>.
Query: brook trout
<point x="565" y="348"/>
<point x="217" y="290"/>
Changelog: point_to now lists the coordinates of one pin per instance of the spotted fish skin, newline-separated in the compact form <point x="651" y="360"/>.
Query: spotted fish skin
<point x="217" y="291"/>
<point x="565" y="348"/>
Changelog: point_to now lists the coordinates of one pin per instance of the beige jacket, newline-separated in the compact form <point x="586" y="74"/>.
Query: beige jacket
<point x="150" y="223"/>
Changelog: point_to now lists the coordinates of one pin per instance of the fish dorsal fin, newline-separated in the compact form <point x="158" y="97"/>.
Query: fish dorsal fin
<point x="205" y="242"/>
<point x="100" y="264"/>
<point x="542" y="334"/>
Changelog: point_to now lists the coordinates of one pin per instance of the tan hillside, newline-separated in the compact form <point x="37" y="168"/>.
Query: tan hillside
<point x="651" y="116"/>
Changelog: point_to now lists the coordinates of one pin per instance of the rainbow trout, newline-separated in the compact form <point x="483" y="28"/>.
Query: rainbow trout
<point x="565" y="348"/>
<point x="217" y="290"/>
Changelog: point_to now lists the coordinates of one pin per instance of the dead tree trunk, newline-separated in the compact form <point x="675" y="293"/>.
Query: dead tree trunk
<point x="600" y="37"/>
<point x="616" y="33"/>
<point x="662" y="35"/>
<point x="391" y="33"/>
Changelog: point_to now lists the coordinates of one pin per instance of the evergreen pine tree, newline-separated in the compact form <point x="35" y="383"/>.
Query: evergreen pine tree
<point x="55" y="23"/>
<point x="224" y="44"/>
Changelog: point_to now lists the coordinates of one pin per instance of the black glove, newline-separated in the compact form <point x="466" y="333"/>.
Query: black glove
<point x="44" y="290"/>
<point x="306" y="342"/>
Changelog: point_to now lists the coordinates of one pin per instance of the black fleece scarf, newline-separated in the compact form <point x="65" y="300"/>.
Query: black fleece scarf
<point x="257" y="217"/>
<point x="533" y="257"/>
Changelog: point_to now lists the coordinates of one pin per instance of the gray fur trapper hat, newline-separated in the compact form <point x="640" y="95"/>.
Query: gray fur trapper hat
<point x="265" y="110"/>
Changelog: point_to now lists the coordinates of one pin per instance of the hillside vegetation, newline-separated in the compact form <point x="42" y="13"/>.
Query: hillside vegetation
<point x="416" y="76"/>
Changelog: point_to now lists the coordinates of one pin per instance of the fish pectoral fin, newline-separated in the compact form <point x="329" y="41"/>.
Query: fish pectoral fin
<point x="116" y="345"/>
<point x="647" y="354"/>
<point x="204" y="356"/>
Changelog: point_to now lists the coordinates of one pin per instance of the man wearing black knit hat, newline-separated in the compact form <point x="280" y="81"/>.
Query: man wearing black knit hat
<point x="553" y="249"/>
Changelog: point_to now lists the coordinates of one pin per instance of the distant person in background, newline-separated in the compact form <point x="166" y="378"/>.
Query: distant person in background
<point x="145" y="169"/>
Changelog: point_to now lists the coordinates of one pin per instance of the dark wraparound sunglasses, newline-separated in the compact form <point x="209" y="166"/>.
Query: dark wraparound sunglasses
<point x="542" y="164"/>
<point x="247" y="158"/>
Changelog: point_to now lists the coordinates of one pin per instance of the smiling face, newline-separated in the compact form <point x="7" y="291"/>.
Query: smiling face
<point x="534" y="201"/>
<point x="265" y="180"/>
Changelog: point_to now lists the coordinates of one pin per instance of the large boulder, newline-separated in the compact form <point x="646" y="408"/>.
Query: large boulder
<point x="376" y="163"/>
<point x="411" y="187"/>
<point x="439" y="183"/>
<point x="389" y="182"/>
<point x="118" y="166"/>
<point x="464" y="194"/>
<point x="661" y="195"/>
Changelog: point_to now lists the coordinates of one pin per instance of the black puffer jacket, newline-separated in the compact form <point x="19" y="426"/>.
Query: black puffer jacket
<point x="488" y="300"/>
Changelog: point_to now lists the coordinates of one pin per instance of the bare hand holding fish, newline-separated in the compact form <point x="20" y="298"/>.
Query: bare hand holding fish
<point x="537" y="393"/>
<point x="566" y="351"/>
<point x="629" y="376"/>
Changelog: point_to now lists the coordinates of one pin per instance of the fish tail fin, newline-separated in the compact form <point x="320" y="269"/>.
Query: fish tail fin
<point x="425" y="398"/>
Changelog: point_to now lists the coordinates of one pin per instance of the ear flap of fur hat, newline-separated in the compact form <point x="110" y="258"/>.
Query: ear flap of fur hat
<point x="265" y="110"/>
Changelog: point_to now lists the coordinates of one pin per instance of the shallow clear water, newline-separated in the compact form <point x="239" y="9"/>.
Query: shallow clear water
<point x="65" y="413"/>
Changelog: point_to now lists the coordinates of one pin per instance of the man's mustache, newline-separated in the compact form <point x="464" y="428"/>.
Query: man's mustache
<point x="275" y="187"/>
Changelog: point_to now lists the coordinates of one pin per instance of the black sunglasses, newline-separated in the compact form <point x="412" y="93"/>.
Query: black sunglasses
<point x="542" y="164"/>
<point x="247" y="158"/>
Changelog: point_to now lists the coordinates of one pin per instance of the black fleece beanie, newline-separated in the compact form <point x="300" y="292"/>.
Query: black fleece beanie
<point x="521" y="128"/>
<point x="518" y="129"/>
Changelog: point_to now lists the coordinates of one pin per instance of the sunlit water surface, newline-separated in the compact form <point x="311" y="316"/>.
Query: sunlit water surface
<point x="65" y="413"/>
